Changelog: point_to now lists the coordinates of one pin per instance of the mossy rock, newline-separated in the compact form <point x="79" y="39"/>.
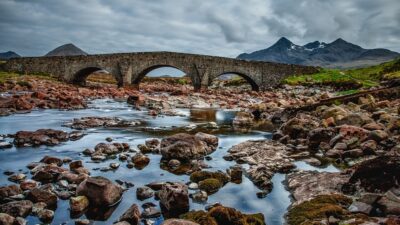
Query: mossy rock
<point x="210" y="185"/>
<point x="318" y="208"/>
<point x="201" y="217"/>
<point x="221" y="215"/>
<point x="202" y="175"/>
<point x="255" y="219"/>
<point x="226" y="215"/>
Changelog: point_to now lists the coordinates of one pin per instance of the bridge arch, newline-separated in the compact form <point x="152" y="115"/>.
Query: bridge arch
<point x="79" y="77"/>
<point x="144" y="72"/>
<point x="250" y="81"/>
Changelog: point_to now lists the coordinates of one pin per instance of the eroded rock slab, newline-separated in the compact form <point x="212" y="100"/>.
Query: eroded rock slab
<point x="186" y="146"/>
<point x="305" y="185"/>
<point x="265" y="158"/>
<point x="91" y="122"/>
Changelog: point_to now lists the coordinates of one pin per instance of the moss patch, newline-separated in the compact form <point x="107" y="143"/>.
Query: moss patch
<point x="220" y="215"/>
<point x="202" y="175"/>
<point x="210" y="185"/>
<point x="318" y="208"/>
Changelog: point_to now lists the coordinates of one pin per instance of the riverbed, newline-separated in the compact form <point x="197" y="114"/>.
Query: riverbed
<point x="239" y="196"/>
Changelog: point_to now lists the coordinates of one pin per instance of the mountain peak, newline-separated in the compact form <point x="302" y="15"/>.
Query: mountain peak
<point x="340" y="41"/>
<point x="283" y="42"/>
<point x="337" y="54"/>
<point x="8" y="55"/>
<point x="66" y="50"/>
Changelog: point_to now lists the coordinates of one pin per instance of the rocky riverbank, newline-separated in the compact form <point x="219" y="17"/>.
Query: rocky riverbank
<point x="361" y="138"/>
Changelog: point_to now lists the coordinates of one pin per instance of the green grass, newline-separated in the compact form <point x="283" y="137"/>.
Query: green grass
<point x="4" y="76"/>
<point x="350" y="79"/>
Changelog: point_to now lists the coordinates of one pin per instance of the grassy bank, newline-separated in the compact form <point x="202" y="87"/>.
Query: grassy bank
<point x="4" y="76"/>
<point x="350" y="79"/>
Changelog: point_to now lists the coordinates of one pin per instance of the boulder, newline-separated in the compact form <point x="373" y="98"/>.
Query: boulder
<point x="106" y="148"/>
<point x="132" y="215"/>
<point x="221" y="215"/>
<point x="186" y="147"/>
<point x="265" y="157"/>
<point x="17" y="208"/>
<point x="100" y="191"/>
<point x="8" y="191"/>
<point x="6" y="219"/>
<point x="28" y="184"/>
<point x="140" y="161"/>
<point x="318" y="135"/>
<point x="174" y="199"/>
<point x="40" y="195"/>
<point x="305" y="185"/>
<point x="379" y="174"/>
<point x="243" y="119"/>
<point x="299" y="127"/>
<point x="52" y="160"/>
<point x="40" y="137"/>
<point x="45" y="215"/>
<point x="78" y="204"/>
<point x="143" y="193"/>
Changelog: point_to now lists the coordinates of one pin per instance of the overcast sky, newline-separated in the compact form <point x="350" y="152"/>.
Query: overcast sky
<point x="212" y="27"/>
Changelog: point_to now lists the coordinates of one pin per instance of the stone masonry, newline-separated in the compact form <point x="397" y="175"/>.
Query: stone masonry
<point x="130" y="68"/>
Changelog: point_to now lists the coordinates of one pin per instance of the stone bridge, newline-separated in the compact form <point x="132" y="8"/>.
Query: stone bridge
<point x="130" y="68"/>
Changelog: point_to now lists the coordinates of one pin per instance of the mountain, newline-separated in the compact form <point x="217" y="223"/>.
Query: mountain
<point x="8" y="55"/>
<point x="338" y="54"/>
<point x="66" y="50"/>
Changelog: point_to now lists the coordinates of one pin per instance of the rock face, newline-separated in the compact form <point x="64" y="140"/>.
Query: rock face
<point x="186" y="147"/>
<point x="305" y="185"/>
<point x="265" y="159"/>
<point x="100" y="191"/>
<point x="174" y="199"/>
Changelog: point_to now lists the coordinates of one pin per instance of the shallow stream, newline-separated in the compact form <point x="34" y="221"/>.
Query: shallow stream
<point x="240" y="196"/>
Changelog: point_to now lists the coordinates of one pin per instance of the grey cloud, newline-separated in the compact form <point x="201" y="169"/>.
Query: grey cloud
<point x="225" y="28"/>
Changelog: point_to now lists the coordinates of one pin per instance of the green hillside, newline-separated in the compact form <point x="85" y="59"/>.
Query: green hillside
<point x="350" y="79"/>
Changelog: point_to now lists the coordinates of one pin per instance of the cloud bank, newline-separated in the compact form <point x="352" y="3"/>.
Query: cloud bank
<point x="223" y="27"/>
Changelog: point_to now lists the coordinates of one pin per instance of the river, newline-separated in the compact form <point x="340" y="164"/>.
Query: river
<point x="239" y="196"/>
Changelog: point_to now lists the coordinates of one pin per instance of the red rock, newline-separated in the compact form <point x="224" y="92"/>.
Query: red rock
<point x="100" y="191"/>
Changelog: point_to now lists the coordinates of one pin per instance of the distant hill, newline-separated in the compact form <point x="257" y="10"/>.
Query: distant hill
<point x="66" y="50"/>
<point x="8" y="55"/>
<point x="338" y="54"/>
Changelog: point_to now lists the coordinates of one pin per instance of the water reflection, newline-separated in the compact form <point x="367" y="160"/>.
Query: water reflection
<point x="240" y="196"/>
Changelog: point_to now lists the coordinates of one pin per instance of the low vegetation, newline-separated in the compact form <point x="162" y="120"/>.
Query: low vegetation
<point x="350" y="79"/>
<point x="5" y="76"/>
<point x="101" y="78"/>
<point x="321" y="207"/>
<point x="169" y="80"/>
